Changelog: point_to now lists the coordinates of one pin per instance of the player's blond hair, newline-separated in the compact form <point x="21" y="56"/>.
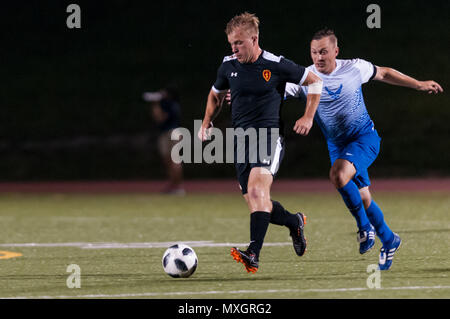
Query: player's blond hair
<point x="248" y="21"/>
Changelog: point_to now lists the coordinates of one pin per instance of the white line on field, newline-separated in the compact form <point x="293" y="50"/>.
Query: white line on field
<point x="218" y="292"/>
<point x="86" y="245"/>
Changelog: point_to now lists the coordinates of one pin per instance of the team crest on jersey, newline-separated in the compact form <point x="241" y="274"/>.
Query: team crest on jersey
<point x="266" y="75"/>
<point x="334" y="95"/>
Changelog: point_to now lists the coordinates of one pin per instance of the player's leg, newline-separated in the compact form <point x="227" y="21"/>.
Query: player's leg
<point x="390" y="240"/>
<point x="369" y="145"/>
<point x="366" y="196"/>
<point x="349" y="164"/>
<point x="174" y="170"/>
<point x="376" y="217"/>
<point x="175" y="174"/>
<point x="278" y="214"/>
<point x="341" y="175"/>
<point x="259" y="183"/>
<point x="294" y="222"/>
<point x="262" y="209"/>
<point x="255" y="186"/>
<point x="282" y="217"/>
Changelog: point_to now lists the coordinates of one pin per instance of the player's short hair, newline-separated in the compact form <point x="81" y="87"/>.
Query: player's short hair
<point x="248" y="21"/>
<point x="325" y="32"/>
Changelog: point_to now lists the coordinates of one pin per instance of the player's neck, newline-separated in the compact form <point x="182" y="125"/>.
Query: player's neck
<point x="257" y="52"/>
<point x="328" y="72"/>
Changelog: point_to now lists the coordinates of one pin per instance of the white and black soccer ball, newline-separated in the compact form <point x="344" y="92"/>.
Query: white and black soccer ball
<point x="179" y="261"/>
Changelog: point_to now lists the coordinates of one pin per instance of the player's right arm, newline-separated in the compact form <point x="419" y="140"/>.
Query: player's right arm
<point x="303" y="77"/>
<point x="314" y="82"/>
<point x="214" y="102"/>
<point x="213" y="107"/>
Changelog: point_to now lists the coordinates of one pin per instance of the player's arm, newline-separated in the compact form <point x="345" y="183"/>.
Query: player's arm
<point x="214" y="103"/>
<point x="314" y="82"/>
<point x="394" y="77"/>
<point x="213" y="107"/>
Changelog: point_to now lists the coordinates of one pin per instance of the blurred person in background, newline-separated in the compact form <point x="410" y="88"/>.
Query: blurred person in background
<point x="165" y="110"/>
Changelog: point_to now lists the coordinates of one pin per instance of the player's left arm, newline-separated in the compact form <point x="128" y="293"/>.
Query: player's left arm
<point x="394" y="77"/>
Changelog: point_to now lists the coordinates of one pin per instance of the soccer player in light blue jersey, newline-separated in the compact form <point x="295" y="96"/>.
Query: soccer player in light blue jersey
<point x="353" y="141"/>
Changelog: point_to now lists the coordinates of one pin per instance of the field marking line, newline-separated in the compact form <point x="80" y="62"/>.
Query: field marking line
<point x="217" y="292"/>
<point x="115" y="245"/>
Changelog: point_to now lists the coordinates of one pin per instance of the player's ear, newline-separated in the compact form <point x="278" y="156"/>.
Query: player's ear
<point x="336" y="52"/>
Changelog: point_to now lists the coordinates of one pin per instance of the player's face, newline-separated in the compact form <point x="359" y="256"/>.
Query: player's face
<point x="243" y="45"/>
<point x="323" y="54"/>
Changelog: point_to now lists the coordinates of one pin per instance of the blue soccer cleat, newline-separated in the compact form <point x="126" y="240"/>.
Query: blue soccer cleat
<point x="366" y="239"/>
<point x="387" y="253"/>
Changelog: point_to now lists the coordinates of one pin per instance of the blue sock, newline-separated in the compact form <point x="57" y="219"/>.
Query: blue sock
<point x="376" y="218"/>
<point x="352" y="198"/>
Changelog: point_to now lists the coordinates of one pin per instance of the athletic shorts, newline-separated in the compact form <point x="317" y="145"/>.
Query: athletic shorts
<point x="165" y="145"/>
<point x="268" y="152"/>
<point x="361" y="152"/>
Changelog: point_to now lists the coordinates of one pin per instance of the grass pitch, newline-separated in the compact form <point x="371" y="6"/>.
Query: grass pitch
<point x="67" y="229"/>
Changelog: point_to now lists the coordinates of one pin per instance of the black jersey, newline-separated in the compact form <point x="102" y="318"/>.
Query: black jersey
<point x="173" y="110"/>
<point x="257" y="89"/>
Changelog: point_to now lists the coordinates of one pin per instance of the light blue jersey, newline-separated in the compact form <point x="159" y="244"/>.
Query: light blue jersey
<point x="351" y="136"/>
<point x="341" y="114"/>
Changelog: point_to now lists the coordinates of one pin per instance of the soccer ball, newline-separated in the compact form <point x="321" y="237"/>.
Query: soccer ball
<point x="179" y="260"/>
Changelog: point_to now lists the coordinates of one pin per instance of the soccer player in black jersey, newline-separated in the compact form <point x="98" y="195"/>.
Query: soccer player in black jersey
<point x="257" y="81"/>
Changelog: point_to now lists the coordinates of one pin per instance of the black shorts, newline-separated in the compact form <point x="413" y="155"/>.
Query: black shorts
<point x="267" y="152"/>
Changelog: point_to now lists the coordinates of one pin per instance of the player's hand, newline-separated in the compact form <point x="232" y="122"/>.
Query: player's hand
<point x="204" y="133"/>
<point x="430" y="87"/>
<point x="228" y="97"/>
<point x="303" y="125"/>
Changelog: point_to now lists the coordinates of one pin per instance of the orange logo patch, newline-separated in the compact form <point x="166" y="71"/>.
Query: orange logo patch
<point x="266" y="75"/>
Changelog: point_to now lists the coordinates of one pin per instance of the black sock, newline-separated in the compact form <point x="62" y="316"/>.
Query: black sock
<point x="259" y="222"/>
<point x="282" y="217"/>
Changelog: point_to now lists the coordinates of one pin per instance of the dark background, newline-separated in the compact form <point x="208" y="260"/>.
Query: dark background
<point x="70" y="99"/>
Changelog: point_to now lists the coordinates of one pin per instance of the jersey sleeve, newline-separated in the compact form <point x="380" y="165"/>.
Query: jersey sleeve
<point x="292" y="72"/>
<point x="366" y="69"/>
<point x="293" y="91"/>
<point x="221" y="84"/>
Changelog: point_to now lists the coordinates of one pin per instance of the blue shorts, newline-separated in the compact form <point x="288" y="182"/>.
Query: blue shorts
<point x="361" y="152"/>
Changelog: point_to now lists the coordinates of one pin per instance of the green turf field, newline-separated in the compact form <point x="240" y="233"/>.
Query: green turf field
<point x="331" y="268"/>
